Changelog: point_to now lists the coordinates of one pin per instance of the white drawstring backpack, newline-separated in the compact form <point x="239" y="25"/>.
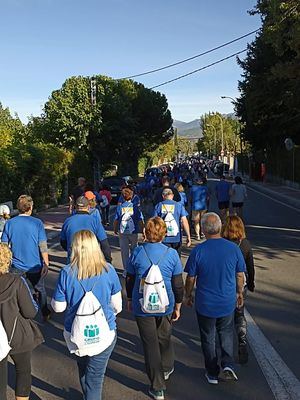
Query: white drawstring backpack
<point x="155" y="298"/>
<point x="4" y="342"/>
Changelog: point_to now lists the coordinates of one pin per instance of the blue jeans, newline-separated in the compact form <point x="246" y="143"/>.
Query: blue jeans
<point x="91" y="372"/>
<point x="223" y="326"/>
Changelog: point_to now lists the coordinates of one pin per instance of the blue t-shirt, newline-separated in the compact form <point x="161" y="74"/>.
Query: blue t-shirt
<point x="178" y="211"/>
<point x="222" y="191"/>
<point x="183" y="198"/>
<point x="79" y="222"/>
<point x="215" y="263"/>
<point x="68" y="289"/>
<point x="199" y="194"/>
<point x="126" y="210"/>
<point x="95" y="213"/>
<point x="139" y="264"/>
<point x="24" y="233"/>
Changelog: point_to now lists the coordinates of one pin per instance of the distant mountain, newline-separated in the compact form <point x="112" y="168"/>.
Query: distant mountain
<point x="188" y="128"/>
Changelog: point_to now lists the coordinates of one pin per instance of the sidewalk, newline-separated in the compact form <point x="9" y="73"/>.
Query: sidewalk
<point x="285" y="194"/>
<point x="53" y="220"/>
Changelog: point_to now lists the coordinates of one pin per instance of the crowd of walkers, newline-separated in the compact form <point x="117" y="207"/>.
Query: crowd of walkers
<point x="89" y="289"/>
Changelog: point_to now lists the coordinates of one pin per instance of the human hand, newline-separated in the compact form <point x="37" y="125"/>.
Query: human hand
<point x="175" y="315"/>
<point x="239" y="300"/>
<point x="188" y="242"/>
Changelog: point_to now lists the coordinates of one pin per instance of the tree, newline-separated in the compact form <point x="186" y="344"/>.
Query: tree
<point x="10" y="127"/>
<point x="127" y="120"/>
<point x="269" y="104"/>
<point x="213" y="124"/>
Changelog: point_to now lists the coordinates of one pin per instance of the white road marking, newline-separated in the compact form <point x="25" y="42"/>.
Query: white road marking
<point x="272" y="228"/>
<point x="272" y="198"/>
<point x="283" y="383"/>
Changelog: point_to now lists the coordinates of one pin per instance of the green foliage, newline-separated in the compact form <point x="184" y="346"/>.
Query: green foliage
<point x="34" y="168"/>
<point x="269" y="104"/>
<point x="127" y="120"/>
<point x="164" y="153"/>
<point x="212" y="125"/>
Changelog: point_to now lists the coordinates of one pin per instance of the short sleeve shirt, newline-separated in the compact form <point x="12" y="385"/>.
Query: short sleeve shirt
<point x="215" y="263"/>
<point x="139" y="265"/>
<point x="131" y="209"/>
<point x="199" y="194"/>
<point x="69" y="290"/>
<point x="78" y="222"/>
<point x="178" y="211"/>
<point x="24" y="234"/>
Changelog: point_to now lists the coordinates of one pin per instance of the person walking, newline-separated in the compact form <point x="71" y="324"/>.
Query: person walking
<point x="223" y="197"/>
<point x="166" y="184"/>
<point x="17" y="310"/>
<point x="128" y="222"/>
<point x="155" y="328"/>
<point x="182" y="194"/>
<point x="83" y="220"/>
<point x="27" y="238"/>
<point x="218" y="267"/>
<point x="93" y="210"/>
<point x="89" y="273"/>
<point x="76" y="192"/>
<point x="238" y="195"/>
<point x="175" y="216"/>
<point x="4" y="216"/>
<point x="234" y="230"/>
<point x="105" y="204"/>
<point x="199" y="203"/>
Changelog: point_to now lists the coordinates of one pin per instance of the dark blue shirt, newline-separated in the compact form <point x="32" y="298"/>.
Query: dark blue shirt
<point x="69" y="290"/>
<point x="139" y="265"/>
<point x="78" y="222"/>
<point x="215" y="263"/>
<point x="222" y="191"/>
<point x="24" y="234"/>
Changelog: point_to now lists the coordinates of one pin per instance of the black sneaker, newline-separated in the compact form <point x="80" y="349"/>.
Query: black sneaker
<point x="243" y="354"/>
<point x="229" y="374"/>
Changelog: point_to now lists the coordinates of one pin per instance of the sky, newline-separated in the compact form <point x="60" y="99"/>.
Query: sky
<point x="43" y="42"/>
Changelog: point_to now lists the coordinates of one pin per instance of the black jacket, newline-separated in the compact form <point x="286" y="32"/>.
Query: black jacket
<point x="16" y="301"/>
<point x="246" y="249"/>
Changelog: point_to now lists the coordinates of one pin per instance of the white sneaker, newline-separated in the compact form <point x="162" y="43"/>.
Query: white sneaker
<point x="167" y="374"/>
<point x="229" y="374"/>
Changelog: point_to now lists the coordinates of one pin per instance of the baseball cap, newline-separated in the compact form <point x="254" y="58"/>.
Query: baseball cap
<point x="82" y="201"/>
<point x="89" y="195"/>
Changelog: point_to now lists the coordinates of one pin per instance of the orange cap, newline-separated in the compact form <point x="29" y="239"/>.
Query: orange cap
<point x="89" y="195"/>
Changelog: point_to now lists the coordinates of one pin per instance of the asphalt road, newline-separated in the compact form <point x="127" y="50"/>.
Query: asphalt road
<point x="274" y="230"/>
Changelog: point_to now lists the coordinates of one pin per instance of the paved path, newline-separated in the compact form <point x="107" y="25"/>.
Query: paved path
<point x="274" y="308"/>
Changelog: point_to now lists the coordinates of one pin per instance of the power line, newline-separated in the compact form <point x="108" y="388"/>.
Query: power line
<point x="193" y="57"/>
<point x="199" y="69"/>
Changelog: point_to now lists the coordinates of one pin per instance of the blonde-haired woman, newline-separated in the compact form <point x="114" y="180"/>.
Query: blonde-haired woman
<point x="17" y="309"/>
<point x="88" y="271"/>
<point x="234" y="230"/>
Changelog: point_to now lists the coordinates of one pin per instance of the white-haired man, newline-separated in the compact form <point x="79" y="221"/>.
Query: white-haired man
<point x="218" y="267"/>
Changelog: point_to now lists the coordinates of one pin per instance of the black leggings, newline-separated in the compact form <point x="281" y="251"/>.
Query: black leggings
<point x="22" y="363"/>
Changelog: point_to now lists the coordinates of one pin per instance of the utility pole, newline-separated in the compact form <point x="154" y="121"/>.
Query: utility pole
<point x="96" y="163"/>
